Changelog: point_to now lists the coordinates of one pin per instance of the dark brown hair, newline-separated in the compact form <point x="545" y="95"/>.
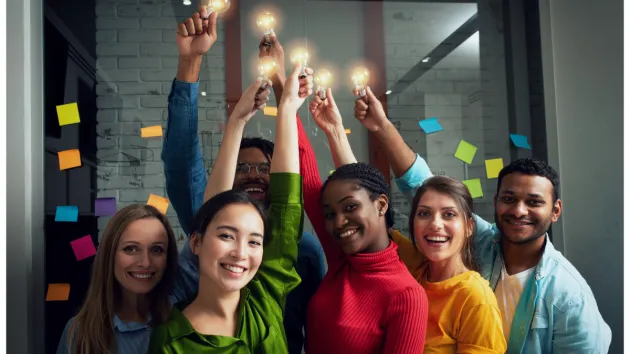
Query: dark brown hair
<point x="464" y="201"/>
<point x="92" y="330"/>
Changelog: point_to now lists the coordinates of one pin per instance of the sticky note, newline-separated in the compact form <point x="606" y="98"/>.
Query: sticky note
<point x="160" y="203"/>
<point x="348" y="131"/>
<point x="104" y="206"/>
<point x="67" y="213"/>
<point x="69" y="159"/>
<point x="58" y="292"/>
<point x="150" y="132"/>
<point x="83" y="247"/>
<point x="331" y="172"/>
<point x="465" y="152"/>
<point x="520" y="141"/>
<point x="68" y="114"/>
<point x="474" y="186"/>
<point x="430" y="125"/>
<point x="270" y="111"/>
<point x="493" y="167"/>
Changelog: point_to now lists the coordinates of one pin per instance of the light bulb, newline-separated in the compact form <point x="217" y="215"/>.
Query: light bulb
<point x="266" y="22"/>
<point x="219" y="6"/>
<point x="360" y="78"/>
<point x="266" y="68"/>
<point x="300" y="56"/>
<point x="322" y="79"/>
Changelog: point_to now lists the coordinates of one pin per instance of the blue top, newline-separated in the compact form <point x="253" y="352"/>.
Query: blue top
<point x="557" y="311"/>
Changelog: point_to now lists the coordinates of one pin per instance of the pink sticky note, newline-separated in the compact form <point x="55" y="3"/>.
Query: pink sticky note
<point x="83" y="247"/>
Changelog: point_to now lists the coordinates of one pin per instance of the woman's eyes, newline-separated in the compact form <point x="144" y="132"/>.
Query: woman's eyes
<point x="135" y="249"/>
<point x="130" y="249"/>
<point x="226" y="237"/>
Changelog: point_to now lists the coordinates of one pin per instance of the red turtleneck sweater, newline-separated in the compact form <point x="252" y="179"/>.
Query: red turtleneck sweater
<point x="367" y="303"/>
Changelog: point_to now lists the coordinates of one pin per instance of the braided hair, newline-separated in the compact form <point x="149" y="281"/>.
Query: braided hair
<point x="367" y="177"/>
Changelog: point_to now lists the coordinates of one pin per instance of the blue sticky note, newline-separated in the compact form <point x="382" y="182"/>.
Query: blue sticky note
<point x="430" y="125"/>
<point x="67" y="213"/>
<point x="520" y="141"/>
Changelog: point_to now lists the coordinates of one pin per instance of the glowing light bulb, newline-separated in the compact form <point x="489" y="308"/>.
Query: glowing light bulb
<point x="360" y="78"/>
<point x="219" y="6"/>
<point x="323" y="79"/>
<point x="300" y="56"/>
<point x="266" y="22"/>
<point x="266" y="68"/>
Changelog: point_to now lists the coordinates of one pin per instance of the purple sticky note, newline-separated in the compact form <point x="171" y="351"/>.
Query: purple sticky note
<point x="104" y="206"/>
<point x="83" y="247"/>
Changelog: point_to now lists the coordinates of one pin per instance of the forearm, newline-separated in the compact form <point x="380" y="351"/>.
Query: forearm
<point x="188" y="68"/>
<point x="278" y="86"/>
<point x="399" y="154"/>
<point x="224" y="169"/>
<point x="286" y="156"/>
<point x="340" y="147"/>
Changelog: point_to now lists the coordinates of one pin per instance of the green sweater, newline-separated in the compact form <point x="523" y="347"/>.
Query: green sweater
<point x="261" y="307"/>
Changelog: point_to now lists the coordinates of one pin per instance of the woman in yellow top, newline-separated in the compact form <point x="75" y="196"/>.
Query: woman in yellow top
<point x="463" y="313"/>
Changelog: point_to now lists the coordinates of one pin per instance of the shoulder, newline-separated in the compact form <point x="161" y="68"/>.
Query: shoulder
<point x="473" y="290"/>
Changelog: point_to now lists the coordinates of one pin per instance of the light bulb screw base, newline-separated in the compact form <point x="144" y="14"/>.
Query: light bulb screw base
<point x="302" y="72"/>
<point x="322" y="93"/>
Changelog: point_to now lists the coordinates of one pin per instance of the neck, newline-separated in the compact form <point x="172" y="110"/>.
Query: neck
<point x="212" y="301"/>
<point x="519" y="257"/>
<point x="379" y="245"/>
<point x="446" y="269"/>
<point x="133" y="307"/>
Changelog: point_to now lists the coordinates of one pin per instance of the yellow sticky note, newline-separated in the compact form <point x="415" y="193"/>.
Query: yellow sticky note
<point x="150" y="132"/>
<point x="68" y="114"/>
<point x="160" y="203"/>
<point x="465" y="152"/>
<point x="58" y="292"/>
<point x="348" y="131"/>
<point x="331" y="172"/>
<point x="69" y="159"/>
<point x="270" y="111"/>
<point x="474" y="186"/>
<point x="493" y="167"/>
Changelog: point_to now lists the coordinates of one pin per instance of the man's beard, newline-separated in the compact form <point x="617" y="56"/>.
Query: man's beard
<point x="540" y="229"/>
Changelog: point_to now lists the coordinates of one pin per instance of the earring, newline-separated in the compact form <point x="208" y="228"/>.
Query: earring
<point x="381" y="212"/>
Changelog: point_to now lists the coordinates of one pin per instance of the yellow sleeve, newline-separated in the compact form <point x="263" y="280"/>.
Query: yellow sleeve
<point x="481" y="331"/>
<point x="409" y="254"/>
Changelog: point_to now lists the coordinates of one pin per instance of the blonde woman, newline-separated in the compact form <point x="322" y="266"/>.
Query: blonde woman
<point x="128" y="295"/>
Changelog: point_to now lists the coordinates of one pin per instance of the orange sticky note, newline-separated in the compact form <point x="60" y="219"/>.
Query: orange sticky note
<point x="150" y="132"/>
<point x="160" y="203"/>
<point x="68" y="114"/>
<point x="58" y="292"/>
<point x="270" y="111"/>
<point x="69" y="159"/>
<point x="348" y="131"/>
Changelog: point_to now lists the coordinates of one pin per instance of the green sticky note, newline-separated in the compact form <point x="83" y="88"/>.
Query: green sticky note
<point x="465" y="152"/>
<point x="474" y="186"/>
<point x="68" y="114"/>
<point x="493" y="167"/>
<point x="331" y="172"/>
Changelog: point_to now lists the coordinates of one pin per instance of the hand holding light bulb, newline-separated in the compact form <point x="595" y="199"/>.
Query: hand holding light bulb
<point x="266" y="22"/>
<point x="300" y="56"/>
<point x="369" y="111"/>
<point x="326" y="114"/>
<point x="195" y="35"/>
<point x="253" y="99"/>
<point x="322" y="79"/>
<point x="266" y="68"/>
<point x="297" y="88"/>
<point x="360" y="79"/>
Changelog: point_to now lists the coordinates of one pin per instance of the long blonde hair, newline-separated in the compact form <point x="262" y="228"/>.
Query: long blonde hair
<point x="92" y="331"/>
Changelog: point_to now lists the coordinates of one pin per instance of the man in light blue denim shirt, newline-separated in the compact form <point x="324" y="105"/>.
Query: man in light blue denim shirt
<point x="546" y="305"/>
<point x="186" y="182"/>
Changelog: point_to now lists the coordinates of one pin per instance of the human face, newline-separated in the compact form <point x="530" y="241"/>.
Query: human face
<point x="141" y="256"/>
<point x="524" y="207"/>
<point x="257" y="186"/>
<point x="440" y="228"/>
<point x="354" y="220"/>
<point x="232" y="247"/>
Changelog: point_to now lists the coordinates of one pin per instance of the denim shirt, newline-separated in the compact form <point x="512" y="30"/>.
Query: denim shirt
<point x="185" y="185"/>
<point x="557" y="311"/>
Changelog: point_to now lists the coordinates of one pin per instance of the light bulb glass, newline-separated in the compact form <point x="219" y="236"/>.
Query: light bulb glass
<point x="266" y="22"/>
<point x="219" y="6"/>
<point x="360" y="78"/>
<point x="299" y="55"/>
<point x="266" y="67"/>
<point x="323" y="79"/>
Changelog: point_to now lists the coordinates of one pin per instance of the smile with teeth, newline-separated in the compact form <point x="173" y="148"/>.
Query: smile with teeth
<point x="518" y="223"/>
<point x="141" y="275"/>
<point x="232" y="268"/>
<point x="254" y="189"/>
<point x="437" y="239"/>
<point x="347" y="233"/>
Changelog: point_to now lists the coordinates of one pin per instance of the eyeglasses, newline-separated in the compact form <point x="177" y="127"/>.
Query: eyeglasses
<point x="243" y="169"/>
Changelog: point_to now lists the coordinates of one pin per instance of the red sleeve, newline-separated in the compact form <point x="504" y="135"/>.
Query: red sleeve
<point x="407" y="322"/>
<point x="312" y="187"/>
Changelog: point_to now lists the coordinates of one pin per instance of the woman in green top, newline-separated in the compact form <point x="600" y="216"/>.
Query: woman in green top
<point x="240" y="304"/>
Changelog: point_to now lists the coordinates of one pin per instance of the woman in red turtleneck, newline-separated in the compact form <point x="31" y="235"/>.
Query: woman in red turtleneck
<point x="368" y="302"/>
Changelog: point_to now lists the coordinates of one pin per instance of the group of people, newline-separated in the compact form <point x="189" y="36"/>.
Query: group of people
<point x="251" y="281"/>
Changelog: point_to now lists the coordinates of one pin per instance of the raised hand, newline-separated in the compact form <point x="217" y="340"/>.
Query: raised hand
<point x="297" y="89"/>
<point x="196" y="34"/>
<point x="325" y="113"/>
<point x="369" y="111"/>
<point x="275" y="51"/>
<point x="253" y="99"/>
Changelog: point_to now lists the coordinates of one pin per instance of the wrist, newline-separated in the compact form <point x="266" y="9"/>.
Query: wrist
<point x="335" y="132"/>
<point x="383" y="129"/>
<point x="235" y="123"/>
<point x="188" y="68"/>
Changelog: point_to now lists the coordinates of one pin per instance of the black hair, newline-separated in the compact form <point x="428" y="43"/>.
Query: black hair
<point x="263" y="145"/>
<point x="367" y="177"/>
<point x="214" y="205"/>
<point x="532" y="167"/>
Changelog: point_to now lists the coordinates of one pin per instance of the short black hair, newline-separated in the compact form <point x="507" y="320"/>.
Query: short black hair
<point x="263" y="145"/>
<point x="532" y="167"/>
<point x="368" y="177"/>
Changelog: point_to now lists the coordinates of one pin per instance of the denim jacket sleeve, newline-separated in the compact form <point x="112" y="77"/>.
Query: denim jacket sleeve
<point x="183" y="164"/>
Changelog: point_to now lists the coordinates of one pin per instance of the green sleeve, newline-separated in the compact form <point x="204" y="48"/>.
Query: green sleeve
<point x="157" y="343"/>
<point x="277" y="274"/>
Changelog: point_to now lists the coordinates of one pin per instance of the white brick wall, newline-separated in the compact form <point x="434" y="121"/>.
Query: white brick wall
<point x="137" y="61"/>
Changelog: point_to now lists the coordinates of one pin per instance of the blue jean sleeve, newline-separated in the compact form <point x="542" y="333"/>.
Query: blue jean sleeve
<point x="409" y="182"/>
